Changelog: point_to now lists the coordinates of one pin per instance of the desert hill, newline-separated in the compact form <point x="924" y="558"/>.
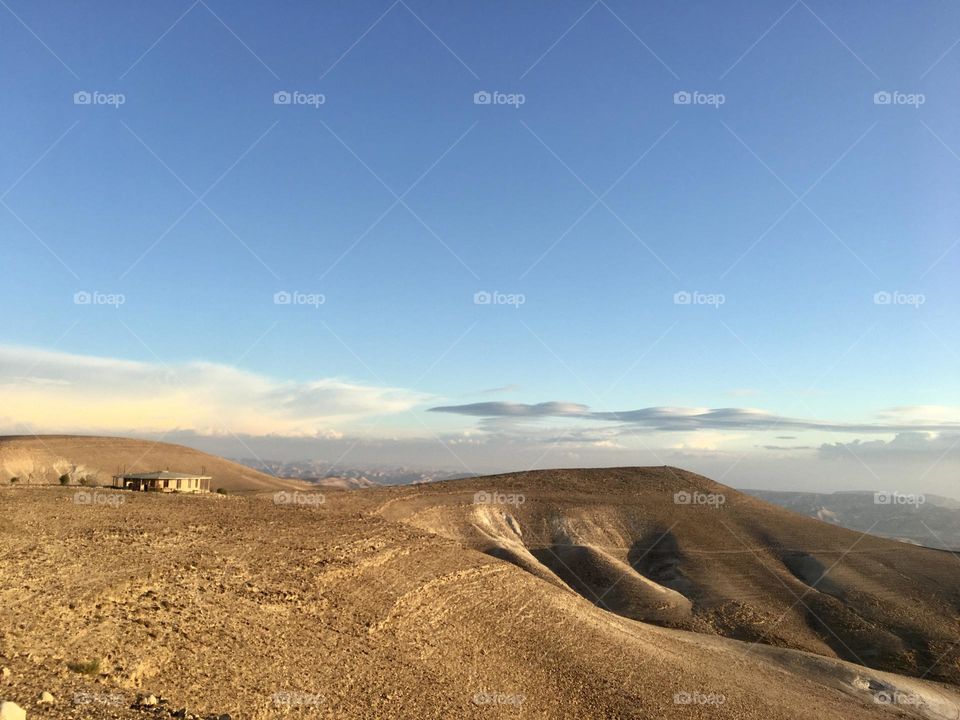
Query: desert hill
<point x="552" y="594"/>
<point x="43" y="459"/>
<point x="670" y="547"/>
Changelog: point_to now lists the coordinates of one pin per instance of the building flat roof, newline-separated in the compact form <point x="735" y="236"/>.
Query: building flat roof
<point x="164" y="475"/>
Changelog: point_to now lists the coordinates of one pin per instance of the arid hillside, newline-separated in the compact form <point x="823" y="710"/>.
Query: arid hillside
<point x="43" y="459"/>
<point x="621" y="593"/>
<point x="670" y="547"/>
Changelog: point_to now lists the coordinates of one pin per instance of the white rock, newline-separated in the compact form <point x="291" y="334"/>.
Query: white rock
<point x="12" y="711"/>
<point x="5" y="672"/>
<point x="46" y="698"/>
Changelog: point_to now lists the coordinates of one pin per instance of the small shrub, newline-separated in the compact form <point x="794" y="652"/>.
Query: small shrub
<point x="84" y="481"/>
<point x="85" y="667"/>
<point x="14" y="480"/>
<point x="221" y="491"/>
<point x="64" y="479"/>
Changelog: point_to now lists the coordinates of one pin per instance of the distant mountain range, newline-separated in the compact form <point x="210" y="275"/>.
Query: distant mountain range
<point x="929" y="520"/>
<point x="323" y="473"/>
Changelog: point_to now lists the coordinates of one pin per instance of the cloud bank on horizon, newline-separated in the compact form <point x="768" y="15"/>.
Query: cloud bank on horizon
<point x="56" y="392"/>
<point x="47" y="391"/>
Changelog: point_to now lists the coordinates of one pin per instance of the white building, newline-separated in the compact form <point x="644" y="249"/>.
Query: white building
<point x="163" y="481"/>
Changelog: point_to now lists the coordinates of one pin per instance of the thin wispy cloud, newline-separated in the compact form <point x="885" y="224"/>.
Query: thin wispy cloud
<point x="685" y="419"/>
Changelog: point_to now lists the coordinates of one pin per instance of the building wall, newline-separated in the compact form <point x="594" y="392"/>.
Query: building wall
<point x="186" y="485"/>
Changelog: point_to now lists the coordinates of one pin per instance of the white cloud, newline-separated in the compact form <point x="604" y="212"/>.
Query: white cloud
<point x="934" y="446"/>
<point x="706" y="440"/>
<point x="47" y="391"/>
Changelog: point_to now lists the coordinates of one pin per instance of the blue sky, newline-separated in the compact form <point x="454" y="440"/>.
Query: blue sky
<point x="780" y="201"/>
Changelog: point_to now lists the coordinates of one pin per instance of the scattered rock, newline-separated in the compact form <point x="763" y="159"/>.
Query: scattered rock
<point x="46" y="698"/>
<point x="5" y="672"/>
<point x="12" y="711"/>
<point x="146" y="700"/>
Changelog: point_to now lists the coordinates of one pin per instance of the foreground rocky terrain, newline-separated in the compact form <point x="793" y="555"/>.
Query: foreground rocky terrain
<point x="616" y="593"/>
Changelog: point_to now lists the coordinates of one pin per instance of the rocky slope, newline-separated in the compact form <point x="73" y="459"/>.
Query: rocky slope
<point x="602" y="594"/>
